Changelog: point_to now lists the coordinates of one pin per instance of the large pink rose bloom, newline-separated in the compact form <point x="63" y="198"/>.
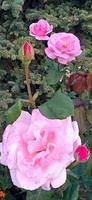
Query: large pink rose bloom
<point x="64" y="47"/>
<point x="40" y="29"/>
<point x="37" y="150"/>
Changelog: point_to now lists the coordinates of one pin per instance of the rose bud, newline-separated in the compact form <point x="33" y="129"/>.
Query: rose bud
<point x="82" y="153"/>
<point x="27" y="52"/>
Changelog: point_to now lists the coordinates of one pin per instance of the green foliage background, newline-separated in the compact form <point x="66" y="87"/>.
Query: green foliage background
<point x="15" y="17"/>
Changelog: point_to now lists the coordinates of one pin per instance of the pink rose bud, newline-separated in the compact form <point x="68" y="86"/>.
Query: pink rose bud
<point x="40" y="29"/>
<point x="82" y="153"/>
<point x="63" y="47"/>
<point x="27" y="52"/>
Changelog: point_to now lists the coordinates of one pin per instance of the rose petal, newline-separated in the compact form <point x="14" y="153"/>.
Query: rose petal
<point x="59" y="180"/>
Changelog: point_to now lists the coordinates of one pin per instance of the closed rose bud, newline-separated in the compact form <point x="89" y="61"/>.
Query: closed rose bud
<point x="27" y="52"/>
<point x="82" y="153"/>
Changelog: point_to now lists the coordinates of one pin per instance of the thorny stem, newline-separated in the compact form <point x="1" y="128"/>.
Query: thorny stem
<point x="28" y="81"/>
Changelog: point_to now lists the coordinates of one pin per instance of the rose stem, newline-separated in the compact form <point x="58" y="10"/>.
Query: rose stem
<point x="28" y="81"/>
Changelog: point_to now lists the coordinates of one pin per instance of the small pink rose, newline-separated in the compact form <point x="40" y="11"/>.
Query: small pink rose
<point x="82" y="153"/>
<point x="37" y="150"/>
<point x="40" y="29"/>
<point x="64" y="47"/>
<point x="27" y="51"/>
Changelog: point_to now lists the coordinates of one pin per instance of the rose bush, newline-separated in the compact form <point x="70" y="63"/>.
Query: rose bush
<point x="37" y="150"/>
<point x="40" y="29"/>
<point x="43" y="78"/>
<point x="64" y="47"/>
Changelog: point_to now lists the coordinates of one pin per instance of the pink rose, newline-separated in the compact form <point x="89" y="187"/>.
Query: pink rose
<point x="40" y="29"/>
<point x="64" y="47"/>
<point x="37" y="150"/>
<point x="27" y="51"/>
<point x="82" y="153"/>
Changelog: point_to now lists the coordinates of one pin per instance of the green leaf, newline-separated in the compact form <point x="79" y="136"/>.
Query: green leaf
<point x="80" y="169"/>
<point x="66" y="185"/>
<point x="59" y="107"/>
<point x="5" y="181"/>
<point x="89" y="194"/>
<point x="13" y="112"/>
<point x="87" y="181"/>
<point x="39" y="195"/>
<point x="89" y="166"/>
<point x="9" y="196"/>
<point x="72" y="174"/>
<point x="72" y="192"/>
<point x="53" y="77"/>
